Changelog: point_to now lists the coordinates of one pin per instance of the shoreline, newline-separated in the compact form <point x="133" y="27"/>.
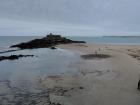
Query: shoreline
<point x="103" y="82"/>
<point x="118" y="44"/>
<point x="106" y="81"/>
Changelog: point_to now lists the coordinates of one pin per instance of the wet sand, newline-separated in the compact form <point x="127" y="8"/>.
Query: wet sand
<point x="110" y="81"/>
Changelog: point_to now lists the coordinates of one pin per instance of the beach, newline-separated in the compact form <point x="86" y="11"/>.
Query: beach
<point x="70" y="72"/>
<point x="109" y="81"/>
<point x="69" y="52"/>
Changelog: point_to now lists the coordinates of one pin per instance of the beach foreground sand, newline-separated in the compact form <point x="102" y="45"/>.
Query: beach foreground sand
<point x="110" y="81"/>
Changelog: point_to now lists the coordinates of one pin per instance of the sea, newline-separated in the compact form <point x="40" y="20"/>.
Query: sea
<point x="6" y="41"/>
<point x="116" y="40"/>
<point x="23" y="73"/>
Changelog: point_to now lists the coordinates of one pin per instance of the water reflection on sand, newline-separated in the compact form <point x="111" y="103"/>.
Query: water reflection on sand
<point x="19" y="78"/>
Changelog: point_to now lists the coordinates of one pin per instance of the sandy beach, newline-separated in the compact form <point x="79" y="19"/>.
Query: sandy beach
<point x="70" y="52"/>
<point x="110" y="81"/>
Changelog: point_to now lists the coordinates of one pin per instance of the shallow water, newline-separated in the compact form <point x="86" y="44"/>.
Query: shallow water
<point x="45" y="62"/>
<point x="20" y="77"/>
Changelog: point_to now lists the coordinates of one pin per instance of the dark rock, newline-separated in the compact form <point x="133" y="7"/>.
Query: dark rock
<point x="14" y="57"/>
<point x="48" y="41"/>
<point x="53" y="47"/>
<point x="8" y="51"/>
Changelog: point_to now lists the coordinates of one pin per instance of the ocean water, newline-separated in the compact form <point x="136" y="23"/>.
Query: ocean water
<point x="6" y="41"/>
<point x="110" y="40"/>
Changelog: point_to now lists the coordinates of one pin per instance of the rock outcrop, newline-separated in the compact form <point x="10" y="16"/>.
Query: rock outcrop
<point x="48" y="41"/>
<point x="13" y="57"/>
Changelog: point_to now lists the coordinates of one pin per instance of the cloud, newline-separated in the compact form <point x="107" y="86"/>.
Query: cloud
<point x="81" y="17"/>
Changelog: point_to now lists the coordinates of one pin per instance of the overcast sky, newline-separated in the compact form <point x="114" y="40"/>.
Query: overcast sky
<point x="70" y="17"/>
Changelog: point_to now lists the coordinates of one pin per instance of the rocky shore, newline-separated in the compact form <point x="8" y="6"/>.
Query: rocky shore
<point x="46" y="42"/>
<point x="14" y="57"/>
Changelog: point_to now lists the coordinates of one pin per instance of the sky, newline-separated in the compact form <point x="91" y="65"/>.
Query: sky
<point x="70" y="17"/>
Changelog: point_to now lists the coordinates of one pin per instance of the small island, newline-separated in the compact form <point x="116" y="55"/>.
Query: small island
<point x="46" y="42"/>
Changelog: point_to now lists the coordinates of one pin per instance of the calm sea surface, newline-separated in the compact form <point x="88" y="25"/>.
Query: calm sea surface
<point x="110" y="40"/>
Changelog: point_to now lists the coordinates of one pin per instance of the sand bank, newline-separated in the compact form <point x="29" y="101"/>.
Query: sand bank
<point x="111" y="81"/>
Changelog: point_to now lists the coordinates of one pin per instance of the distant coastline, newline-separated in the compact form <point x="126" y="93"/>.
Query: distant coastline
<point x="124" y="36"/>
